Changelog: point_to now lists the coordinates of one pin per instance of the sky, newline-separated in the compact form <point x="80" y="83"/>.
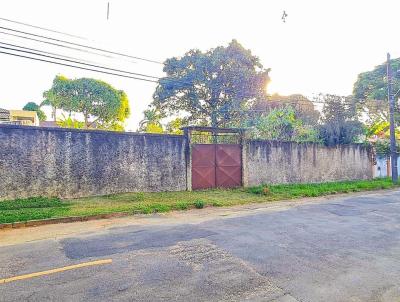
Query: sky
<point x="322" y="46"/>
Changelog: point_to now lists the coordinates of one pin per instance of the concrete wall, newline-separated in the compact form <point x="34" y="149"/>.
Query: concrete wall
<point x="73" y="163"/>
<point x="272" y="162"/>
<point x="70" y="163"/>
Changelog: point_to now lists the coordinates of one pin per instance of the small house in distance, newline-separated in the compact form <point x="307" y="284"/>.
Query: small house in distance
<point x="19" y="117"/>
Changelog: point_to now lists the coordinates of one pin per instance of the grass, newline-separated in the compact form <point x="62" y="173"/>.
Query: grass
<point x="159" y="202"/>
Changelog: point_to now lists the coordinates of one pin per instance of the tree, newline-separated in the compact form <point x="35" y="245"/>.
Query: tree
<point x="282" y="124"/>
<point x="32" y="106"/>
<point x="370" y="91"/>
<point x="339" y="120"/>
<point x="174" y="126"/>
<point x="57" y="96"/>
<point x="372" y="85"/>
<point x="211" y="87"/>
<point x="151" y="116"/>
<point x="302" y="106"/>
<point x="101" y="105"/>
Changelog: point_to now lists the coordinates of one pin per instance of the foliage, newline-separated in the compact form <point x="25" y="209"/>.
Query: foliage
<point x="174" y="126"/>
<point x="370" y="92"/>
<point x="382" y="147"/>
<point x="32" y="202"/>
<point x="211" y="87"/>
<point x="98" y="101"/>
<point x="341" y="134"/>
<point x="182" y="205"/>
<point x="56" y="97"/>
<point x="69" y="122"/>
<point x="339" y="120"/>
<point x="129" y="203"/>
<point x="31" y="208"/>
<point x="282" y="124"/>
<point x="154" y="128"/>
<point x="151" y="116"/>
<point x="199" y="204"/>
<point x="289" y="191"/>
<point x="380" y="129"/>
<point x="303" y="107"/>
<point x="32" y="106"/>
<point x="372" y="85"/>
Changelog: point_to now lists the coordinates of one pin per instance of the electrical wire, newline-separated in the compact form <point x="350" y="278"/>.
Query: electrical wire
<point x="59" y="45"/>
<point x="43" y="28"/>
<point x="36" y="52"/>
<point x="42" y="51"/>
<point x="79" y="67"/>
<point x="80" y="45"/>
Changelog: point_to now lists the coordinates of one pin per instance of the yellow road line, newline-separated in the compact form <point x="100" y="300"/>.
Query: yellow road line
<point x="56" y="270"/>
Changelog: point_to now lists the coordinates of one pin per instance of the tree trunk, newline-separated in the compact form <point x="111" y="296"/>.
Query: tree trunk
<point x="54" y="114"/>
<point x="86" y="120"/>
<point x="214" y="124"/>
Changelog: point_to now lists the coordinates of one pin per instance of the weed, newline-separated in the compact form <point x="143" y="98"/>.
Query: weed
<point x="182" y="205"/>
<point x="216" y="203"/>
<point x="199" y="204"/>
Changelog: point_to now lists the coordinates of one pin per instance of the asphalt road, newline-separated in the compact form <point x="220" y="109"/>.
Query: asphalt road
<point x="344" y="249"/>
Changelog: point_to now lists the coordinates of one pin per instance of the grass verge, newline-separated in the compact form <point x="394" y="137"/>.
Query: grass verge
<point x="144" y="203"/>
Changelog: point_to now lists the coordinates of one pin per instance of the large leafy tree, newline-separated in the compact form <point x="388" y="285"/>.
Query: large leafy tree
<point x="101" y="105"/>
<point x="340" y="124"/>
<point x="370" y="91"/>
<point x="372" y="85"/>
<point x="32" y="106"/>
<point x="211" y="87"/>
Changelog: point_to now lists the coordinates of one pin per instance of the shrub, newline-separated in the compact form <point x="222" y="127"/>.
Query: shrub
<point x="199" y="204"/>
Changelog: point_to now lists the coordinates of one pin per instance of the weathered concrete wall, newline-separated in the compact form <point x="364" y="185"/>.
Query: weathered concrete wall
<point x="73" y="163"/>
<point x="269" y="162"/>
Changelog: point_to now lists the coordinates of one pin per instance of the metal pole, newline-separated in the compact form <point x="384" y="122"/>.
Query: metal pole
<point x="393" y="151"/>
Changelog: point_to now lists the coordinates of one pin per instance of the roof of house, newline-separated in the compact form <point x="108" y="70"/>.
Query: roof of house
<point x="4" y="114"/>
<point x="24" y="114"/>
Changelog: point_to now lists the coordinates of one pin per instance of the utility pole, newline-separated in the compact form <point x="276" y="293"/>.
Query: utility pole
<point x="393" y="149"/>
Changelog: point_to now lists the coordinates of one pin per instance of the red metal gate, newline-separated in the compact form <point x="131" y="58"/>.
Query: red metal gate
<point x="216" y="165"/>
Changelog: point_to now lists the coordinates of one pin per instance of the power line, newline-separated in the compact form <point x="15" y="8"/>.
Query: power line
<point x="81" y="45"/>
<point x="43" y="28"/>
<point x="37" y="52"/>
<point x="79" y="67"/>
<point x="56" y="44"/>
<point x="45" y="52"/>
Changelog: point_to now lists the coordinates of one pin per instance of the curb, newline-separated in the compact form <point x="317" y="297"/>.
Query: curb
<point x="33" y="223"/>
